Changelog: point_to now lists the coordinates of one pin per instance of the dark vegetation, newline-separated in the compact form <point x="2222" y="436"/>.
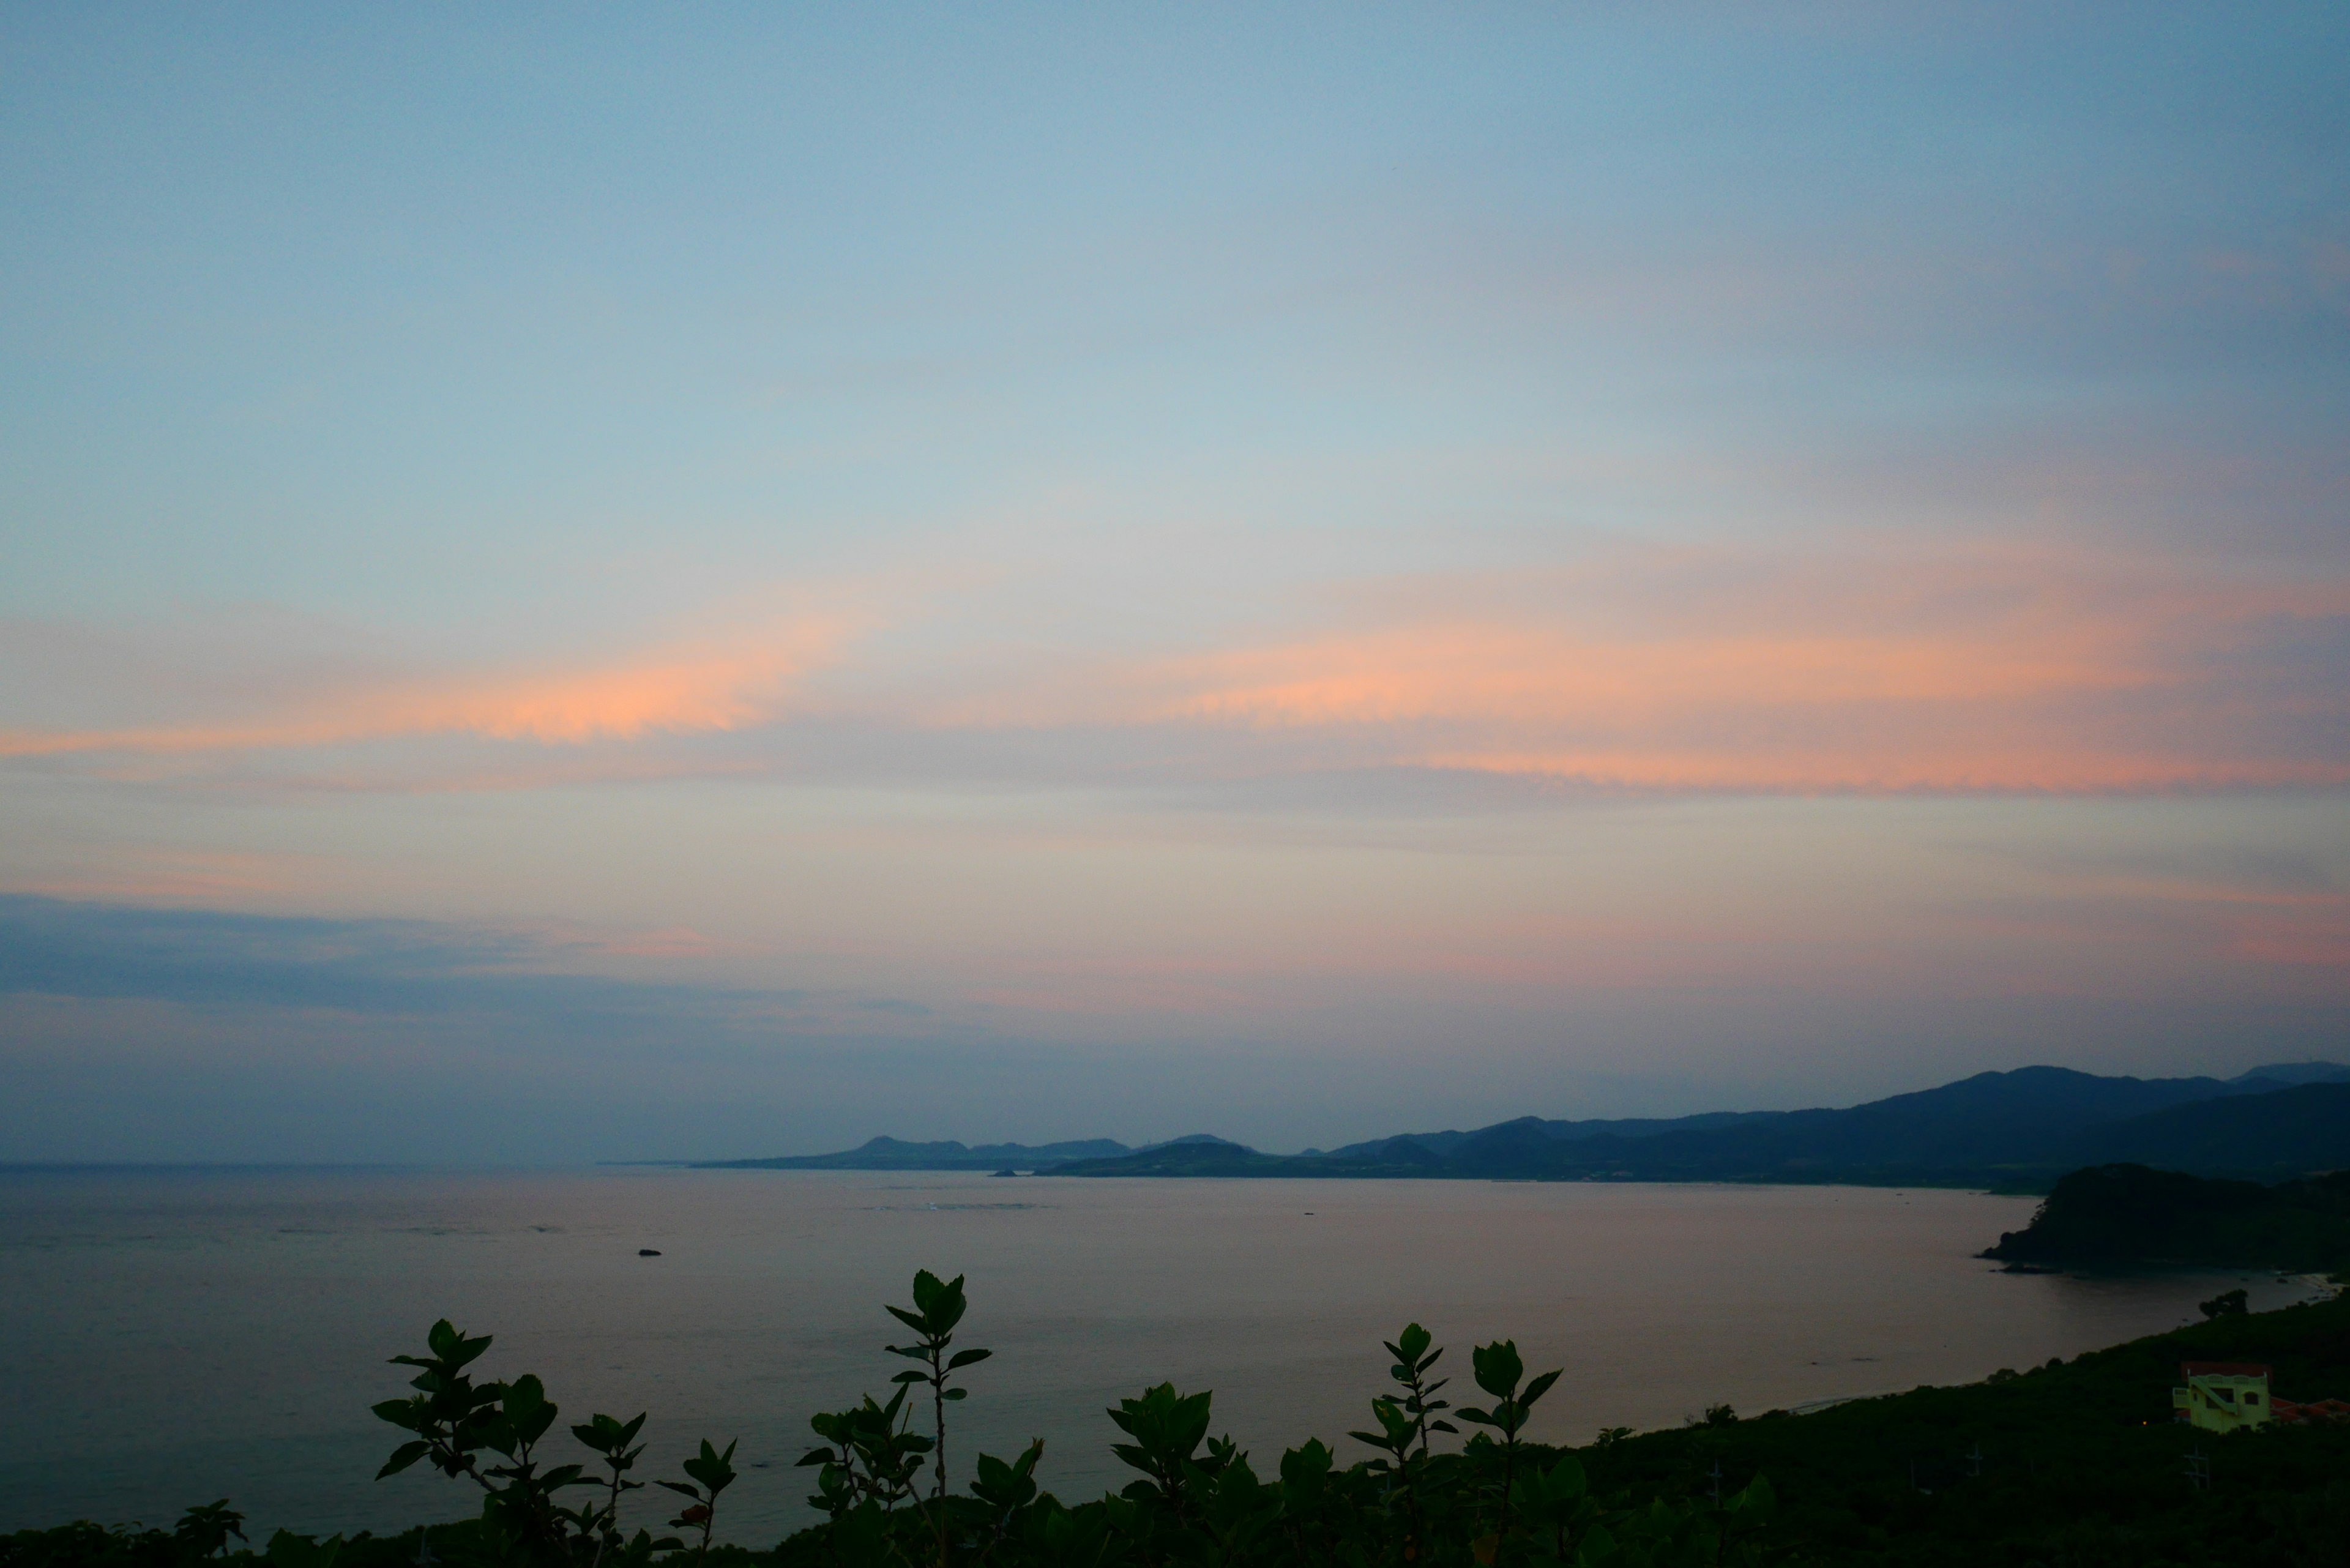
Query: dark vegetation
<point x="2063" y="1464"/>
<point x="2112" y="1214"/>
<point x="2017" y="1130"/>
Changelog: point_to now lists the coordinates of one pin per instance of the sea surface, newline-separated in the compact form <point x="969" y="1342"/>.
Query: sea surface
<point x="169" y="1336"/>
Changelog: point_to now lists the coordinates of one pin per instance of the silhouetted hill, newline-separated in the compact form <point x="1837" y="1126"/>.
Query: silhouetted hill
<point x="1196" y="1155"/>
<point x="2297" y="1073"/>
<point x="2129" y="1214"/>
<point x="2020" y="1127"/>
<point x="2029" y="1119"/>
<point x="1634" y="1126"/>
<point x="889" y="1153"/>
<point x="2281" y="1132"/>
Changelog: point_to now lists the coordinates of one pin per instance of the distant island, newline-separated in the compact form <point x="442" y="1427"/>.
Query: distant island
<point x="2018" y="1130"/>
<point x="891" y="1154"/>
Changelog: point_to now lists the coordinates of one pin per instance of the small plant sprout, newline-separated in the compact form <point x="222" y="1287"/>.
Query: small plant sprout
<point x="870" y="1459"/>
<point x="205" y="1529"/>
<point x="1168" y="1428"/>
<point x="609" y="1440"/>
<point x="937" y="1307"/>
<point x="1499" y="1372"/>
<point x="714" y="1472"/>
<point x="1407" y="1418"/>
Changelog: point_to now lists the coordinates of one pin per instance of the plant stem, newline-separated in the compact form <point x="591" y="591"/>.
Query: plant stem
<point x="938" y="1415"/>
<point x="1509" y="1465"/>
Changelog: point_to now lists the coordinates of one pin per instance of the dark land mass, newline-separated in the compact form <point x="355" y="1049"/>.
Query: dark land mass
<point x="2015" y="1130"/>
<point x="889" y="1153"/>
<point x="2076" y="1464"/>
<point x="2128" y="1214"/>
<point x="1443" y="1143"/>
<point x="2305" y="1128"/>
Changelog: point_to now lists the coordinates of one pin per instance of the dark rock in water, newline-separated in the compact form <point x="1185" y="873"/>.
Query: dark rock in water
<point x="1007" y="1171"/>
<point x="646" y="1253"/>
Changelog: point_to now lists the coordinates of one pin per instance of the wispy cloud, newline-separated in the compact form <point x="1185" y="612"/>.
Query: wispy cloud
<point x="1858" y="666"/>
<point x="682" y="689"/>
<point x="1870" y="669"/>
<point x="117" y="951"/>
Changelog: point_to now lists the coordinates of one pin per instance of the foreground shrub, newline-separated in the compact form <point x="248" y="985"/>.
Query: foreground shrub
<point x="1195" y="1499"/>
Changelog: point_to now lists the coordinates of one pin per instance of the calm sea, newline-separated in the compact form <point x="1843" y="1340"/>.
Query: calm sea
<point x="173" y="1336"/>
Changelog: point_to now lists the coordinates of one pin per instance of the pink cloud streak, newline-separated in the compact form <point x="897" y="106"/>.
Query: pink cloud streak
<point x="666" y="691"/>
<point x="1983" y="670"/>
<point x="1884" y="667"/>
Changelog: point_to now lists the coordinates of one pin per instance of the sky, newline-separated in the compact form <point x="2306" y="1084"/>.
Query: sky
<point x="581" y="583"/>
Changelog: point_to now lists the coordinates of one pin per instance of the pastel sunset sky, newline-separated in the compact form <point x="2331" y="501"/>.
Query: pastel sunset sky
<point x="579" y="582"/>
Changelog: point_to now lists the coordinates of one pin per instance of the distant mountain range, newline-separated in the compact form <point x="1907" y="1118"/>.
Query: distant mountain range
<point x="2017" y="1128"/>
<point x="891" y="1154"/>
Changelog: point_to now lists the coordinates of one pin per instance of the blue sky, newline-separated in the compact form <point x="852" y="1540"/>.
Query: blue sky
<point x="1306" y="571"/>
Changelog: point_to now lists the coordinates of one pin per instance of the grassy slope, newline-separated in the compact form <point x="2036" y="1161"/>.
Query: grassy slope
<point x="2081" y="1463"/>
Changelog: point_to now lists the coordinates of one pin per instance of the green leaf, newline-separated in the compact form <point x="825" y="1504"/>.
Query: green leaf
<point x="966" y="1357"/>
<point x="725" y="1463"/>
<point x="1498" y="1368"/>
<point x="941" y="1304"/>
<point x="1304" y="1473"/>
<point x="401" y="1413"/>
<point x="452" y="1347"/>
<point x="402" y="1457"/>
<point x="1537" y="1389"/>
<point x="527" y="1409"/>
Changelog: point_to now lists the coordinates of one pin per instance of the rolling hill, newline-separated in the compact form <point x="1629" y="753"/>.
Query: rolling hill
<point x="2018" y="1128"/>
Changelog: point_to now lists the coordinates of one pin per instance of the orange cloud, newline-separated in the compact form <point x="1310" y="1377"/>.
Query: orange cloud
<point x="677" y="691"/>
<point x="1873" y="668"/>
<point x="1986" y="669"/>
